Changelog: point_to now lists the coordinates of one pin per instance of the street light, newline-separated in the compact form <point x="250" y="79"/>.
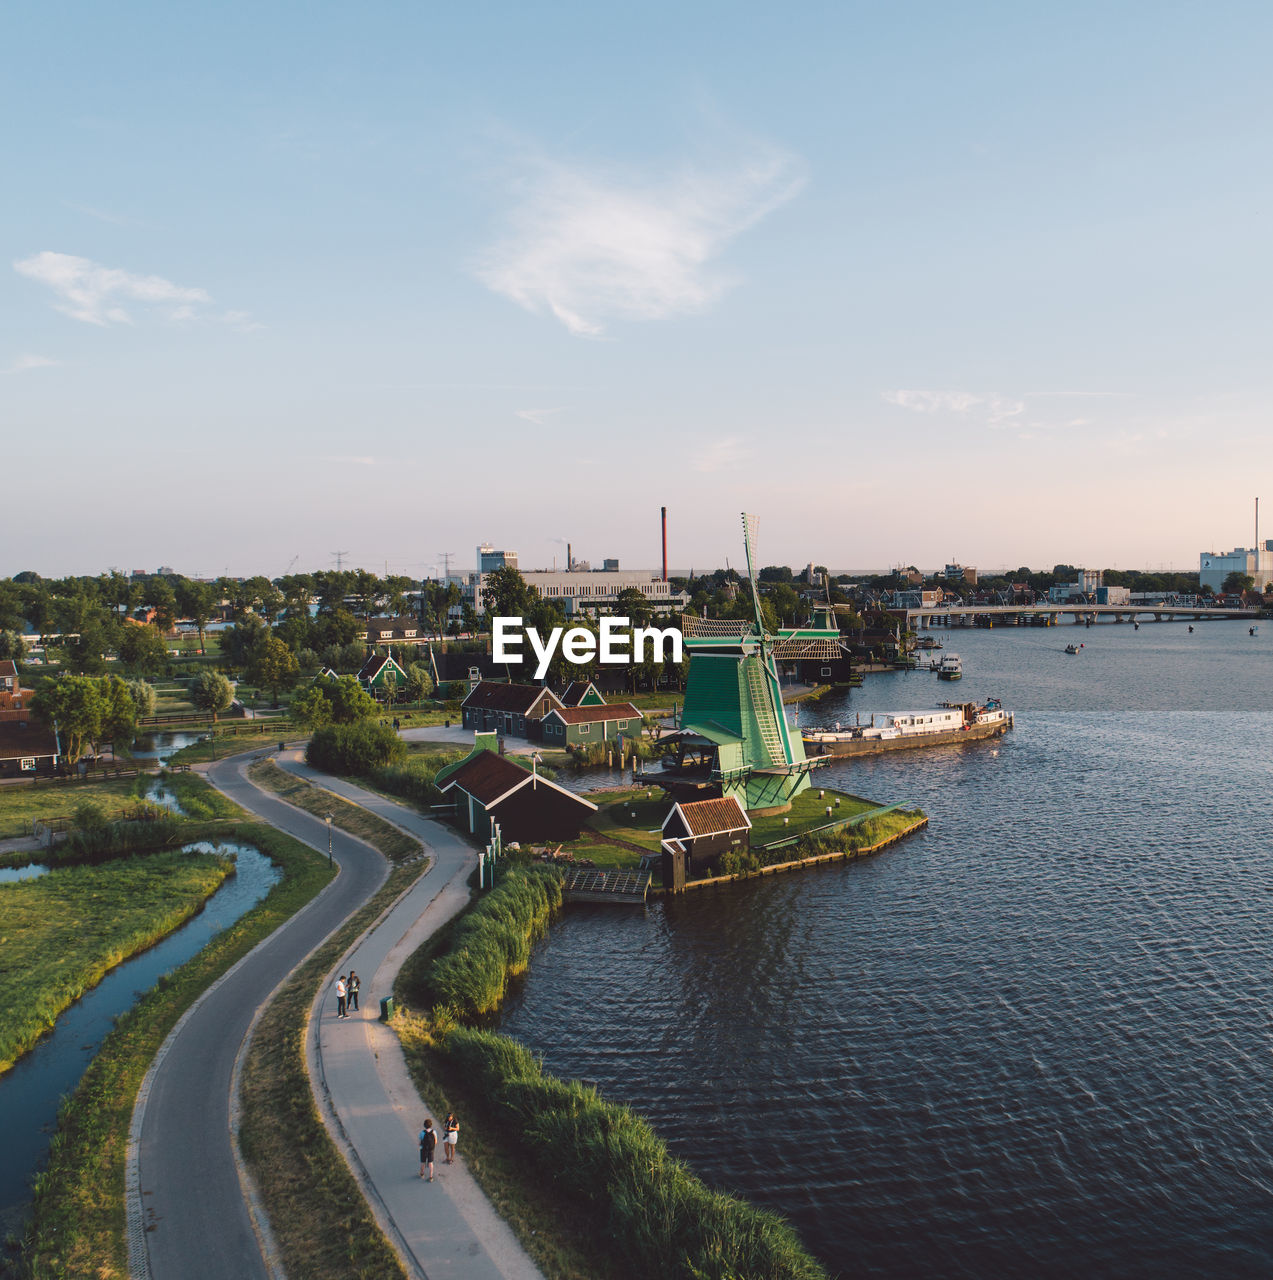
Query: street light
<point x="329" y="839"/>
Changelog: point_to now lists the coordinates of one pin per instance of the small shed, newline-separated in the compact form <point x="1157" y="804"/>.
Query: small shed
<point x="697" y="832"/>
<point x="27" y="749"/>
<point x="488" y="787"/>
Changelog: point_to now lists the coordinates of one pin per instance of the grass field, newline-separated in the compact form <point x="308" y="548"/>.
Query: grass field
<point x="21" y="803"/>
<point x="62" y="933"/>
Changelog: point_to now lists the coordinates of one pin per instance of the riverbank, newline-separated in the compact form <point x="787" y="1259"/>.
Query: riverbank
<point x="556" y="1151"/>
<point x="77" y="1224"/>
<point x="61" y="933"/>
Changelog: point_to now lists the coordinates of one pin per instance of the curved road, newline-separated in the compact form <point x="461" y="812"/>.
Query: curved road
<point x="197" y="1223"/>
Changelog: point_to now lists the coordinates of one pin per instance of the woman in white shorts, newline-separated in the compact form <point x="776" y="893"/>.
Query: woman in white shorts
<point x="450" y="1136"/>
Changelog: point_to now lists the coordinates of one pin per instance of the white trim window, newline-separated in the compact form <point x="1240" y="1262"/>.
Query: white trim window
<point x="27" y="764"/>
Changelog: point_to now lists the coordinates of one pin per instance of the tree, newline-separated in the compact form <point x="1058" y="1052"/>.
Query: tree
<point x="142" y="650"/>
<point x="272" y="664"/>
<point x="1236" y="583"/>
<point x="633" y="604"/>
<point x="241" y="640"/>
<point x="160" y="596"/>
<point x="11" y="646"/>
<point x="72" y="707"/>
<point x="340" y="701"/>
<point x="119" y="712"/>
<point x="506" y="593"/>
<point x="197" y="601"/>
<point x="211" y="691"/>
<point x="143" y="696"/>
<point x="419" y="682"/>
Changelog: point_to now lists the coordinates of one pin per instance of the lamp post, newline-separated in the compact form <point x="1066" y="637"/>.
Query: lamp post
<point x="329" y="839"/>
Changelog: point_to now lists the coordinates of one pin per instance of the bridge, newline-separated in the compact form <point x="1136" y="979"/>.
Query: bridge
<point x="1047" y="615"/>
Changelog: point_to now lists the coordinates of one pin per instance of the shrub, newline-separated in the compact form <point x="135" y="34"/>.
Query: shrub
<point x="353" y="748"/>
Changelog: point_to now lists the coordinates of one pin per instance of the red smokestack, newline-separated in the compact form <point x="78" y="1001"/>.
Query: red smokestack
<point x="664" y="513"/>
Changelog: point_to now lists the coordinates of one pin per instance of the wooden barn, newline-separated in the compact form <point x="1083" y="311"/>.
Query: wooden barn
<point x="487" y="787"/>
<point x="517" y="709"/>
<point x="696" y="833"/>
<point x="582" y="693"/>
<point x="27" y="748"/>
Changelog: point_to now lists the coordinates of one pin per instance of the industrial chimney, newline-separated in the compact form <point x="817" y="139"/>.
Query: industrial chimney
<point x="663" y="510"/>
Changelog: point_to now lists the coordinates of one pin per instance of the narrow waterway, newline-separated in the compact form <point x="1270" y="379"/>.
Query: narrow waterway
<point x="1034" y="1040"/>
<point x="32" y="1090"/>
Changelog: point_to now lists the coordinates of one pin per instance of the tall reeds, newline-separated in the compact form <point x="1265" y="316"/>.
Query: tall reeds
<point x="663" y="1218"/>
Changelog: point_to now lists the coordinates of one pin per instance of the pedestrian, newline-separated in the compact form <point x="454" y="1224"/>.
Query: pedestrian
<point x="451" y="1137"/>
<point x="340" y="996"/>
<point x="352" y="985"/>
<point x="428" y="1143"/>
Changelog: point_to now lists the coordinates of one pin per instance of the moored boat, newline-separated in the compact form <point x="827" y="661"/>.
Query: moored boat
<point x="952" y="722"/>
<point x="950" y="668"/>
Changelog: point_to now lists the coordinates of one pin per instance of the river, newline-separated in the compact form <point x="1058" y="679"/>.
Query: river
<point x="1033" y="1040"/>
<point x="31" y="1091"/>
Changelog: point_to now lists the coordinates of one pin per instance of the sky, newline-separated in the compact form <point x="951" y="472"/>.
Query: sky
<point x="912" y="283"/>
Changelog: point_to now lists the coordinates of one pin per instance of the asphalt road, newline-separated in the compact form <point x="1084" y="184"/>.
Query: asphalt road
<point x="197" y="1224"/>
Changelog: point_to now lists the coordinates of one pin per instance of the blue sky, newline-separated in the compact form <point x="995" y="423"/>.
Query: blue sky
<point x="911" y="282"/>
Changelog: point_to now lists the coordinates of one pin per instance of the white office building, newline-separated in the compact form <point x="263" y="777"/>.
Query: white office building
<point x="1214" y="568"/>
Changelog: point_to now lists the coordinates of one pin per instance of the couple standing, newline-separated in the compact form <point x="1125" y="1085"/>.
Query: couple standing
<point x="429" y="1142"/>
<point x="347" y="994"/>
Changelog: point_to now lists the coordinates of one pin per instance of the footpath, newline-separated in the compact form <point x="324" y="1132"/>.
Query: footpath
<point x="446" y="1228"/>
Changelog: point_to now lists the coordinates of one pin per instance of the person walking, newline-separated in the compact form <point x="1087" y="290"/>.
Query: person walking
<point x="340" y="996"/>
<point x="451" y="1137"/>
<point x="353" y="984"/>
<point x="428" y="1144"/>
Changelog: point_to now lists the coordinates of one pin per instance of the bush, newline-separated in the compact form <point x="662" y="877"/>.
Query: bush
<point x="353" y="748"/>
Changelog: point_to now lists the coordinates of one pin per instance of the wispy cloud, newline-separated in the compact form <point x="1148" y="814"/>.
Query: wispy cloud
<point x="104" y="215"/>
<point x="590" y="246"/>
<point x="996" y="407"/>
<point x="537" y="416"/>
<point x="25" y="362"/>
<point x="720" y="455"/>
<point x="95" y="294"/>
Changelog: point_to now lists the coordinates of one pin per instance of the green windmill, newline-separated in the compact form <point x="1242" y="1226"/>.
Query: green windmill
<point x="733" y="700"/>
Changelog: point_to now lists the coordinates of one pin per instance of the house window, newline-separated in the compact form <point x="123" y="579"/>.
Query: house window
<point x="27" y="764"/>
<point x="585" y="728"/>
<point x="620" y="724"/>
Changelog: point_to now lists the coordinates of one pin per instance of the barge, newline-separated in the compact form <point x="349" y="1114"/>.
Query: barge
<point x="952" y="722"/>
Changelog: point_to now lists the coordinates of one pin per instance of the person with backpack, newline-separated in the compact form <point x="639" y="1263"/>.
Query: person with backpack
<point x="428" y="1144"/>
<point x="353" y="984"/>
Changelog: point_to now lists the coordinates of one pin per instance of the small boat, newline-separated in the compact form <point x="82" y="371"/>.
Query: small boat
<point x="1071" y="648"/>
<point x="950" y="668"/>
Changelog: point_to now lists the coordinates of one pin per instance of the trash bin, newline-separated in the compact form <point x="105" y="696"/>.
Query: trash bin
<point x="282" y="746"/>
<point x="448" y="724"/>
<point x="386" y="1009"/>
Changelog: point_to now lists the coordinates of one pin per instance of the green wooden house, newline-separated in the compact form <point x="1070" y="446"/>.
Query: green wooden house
<point x="383" y="678"/>
<point x="579" y="726"/>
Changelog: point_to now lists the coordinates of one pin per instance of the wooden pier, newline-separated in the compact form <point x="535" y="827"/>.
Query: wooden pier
<point x="580" y="884"/>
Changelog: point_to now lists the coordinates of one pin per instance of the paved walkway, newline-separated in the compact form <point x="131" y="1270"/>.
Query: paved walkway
<point x="447" y="1228"/>
<point x="458" y="736"/>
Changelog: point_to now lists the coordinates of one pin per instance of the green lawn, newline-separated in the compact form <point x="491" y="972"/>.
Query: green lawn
<point x="634" y="815"/>
<point x="21" y="802"/>
<point x="61" y="933"/>
<point x="808" y="810"/>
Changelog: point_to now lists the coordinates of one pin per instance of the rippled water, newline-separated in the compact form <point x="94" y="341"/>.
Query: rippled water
<point x="1034" y="1040"/>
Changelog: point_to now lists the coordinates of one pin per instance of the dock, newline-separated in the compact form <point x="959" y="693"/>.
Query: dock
<point x="579" y="884"/>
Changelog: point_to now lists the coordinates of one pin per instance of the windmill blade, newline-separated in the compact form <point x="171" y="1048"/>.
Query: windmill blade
<point x="749" y="530"/>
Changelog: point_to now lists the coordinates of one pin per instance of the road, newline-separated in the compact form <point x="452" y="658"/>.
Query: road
<point x="197" y="1224"/>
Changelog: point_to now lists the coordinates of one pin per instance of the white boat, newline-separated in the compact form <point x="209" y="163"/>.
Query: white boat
<point x="952" y="722"/>
<point x="950" y="668"/>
